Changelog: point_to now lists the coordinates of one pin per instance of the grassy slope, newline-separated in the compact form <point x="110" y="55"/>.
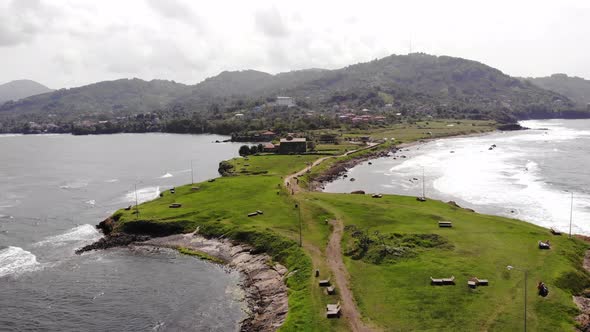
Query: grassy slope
<point x="398" y="296"/>
<point x="394" y="296"/>
<point x="221" y="207"/>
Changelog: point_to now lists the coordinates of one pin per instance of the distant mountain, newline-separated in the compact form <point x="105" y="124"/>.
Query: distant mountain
<point x="108" y="98"/>
<point x="19" y="89"/>
<point x="415" y="81"/>
<point x="575" y="88"/>
<point x="424" y="84"/>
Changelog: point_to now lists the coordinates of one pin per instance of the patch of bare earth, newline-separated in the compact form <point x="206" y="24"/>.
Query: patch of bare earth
<point x="583" y="302"/>
<point x="350" y="311"/>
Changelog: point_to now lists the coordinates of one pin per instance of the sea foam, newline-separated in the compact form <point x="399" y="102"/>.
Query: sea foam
<point x="16" y="260"/>
<point x="82" y="233"/>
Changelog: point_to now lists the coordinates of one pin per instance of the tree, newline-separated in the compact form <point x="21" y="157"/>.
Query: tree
<point x="260" y="147"/>
<point x="244" y="150"/>
<point x="253" y="149"/>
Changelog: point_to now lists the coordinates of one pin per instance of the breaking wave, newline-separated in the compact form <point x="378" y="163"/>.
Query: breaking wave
<point x="16" y="260"/>
<point x="82" y="233"/>
<point x="143" y="194"/>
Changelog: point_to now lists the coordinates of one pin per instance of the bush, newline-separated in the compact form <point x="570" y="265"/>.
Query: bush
<point x="244" y="150"/>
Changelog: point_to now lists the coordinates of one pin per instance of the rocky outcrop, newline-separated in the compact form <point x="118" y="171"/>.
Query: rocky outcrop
<point x="114" y="240"/>
<point x="339" y="168"/>
<point x="266" y="292"/>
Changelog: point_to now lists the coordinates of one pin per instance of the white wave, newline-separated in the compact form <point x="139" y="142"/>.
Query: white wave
<point x="143" y="194"/>
<point x="167" y="175"/>
<point x="112" y="180"/>
<point x="16" y="260"/>
<point x="74" y="185"/>
<point x="90" y="202"/>
<point x="10" y="135"/>
<point x="82" y="233"/>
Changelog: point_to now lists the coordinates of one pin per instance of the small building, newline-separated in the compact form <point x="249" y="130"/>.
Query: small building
<point x="269" y="147"/>
<point x="293" y="145"/>
<point x="285" y="101"/>
<point x="328" y="138"/>
<point x="268" y="135"/>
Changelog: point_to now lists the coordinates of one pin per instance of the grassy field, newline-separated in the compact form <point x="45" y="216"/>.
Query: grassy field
<point x="398" y="296"/>
<point x="406" y="132"/>
<point x="392" y="290"/>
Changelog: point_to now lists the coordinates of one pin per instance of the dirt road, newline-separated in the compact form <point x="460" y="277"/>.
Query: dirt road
<point x="350" y="311"/>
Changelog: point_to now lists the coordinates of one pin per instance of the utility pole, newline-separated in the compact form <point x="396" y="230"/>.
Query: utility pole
<point x="136" y="204"/>
<point x="526" y="274"/>
<point x="423" y="184"/>
<point x="571" y="212"/>
<point x="299" y="216"/>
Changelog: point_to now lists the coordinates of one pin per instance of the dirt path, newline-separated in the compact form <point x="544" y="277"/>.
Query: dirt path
<point x="583" y="302"/>
<point x="340" y="276"/>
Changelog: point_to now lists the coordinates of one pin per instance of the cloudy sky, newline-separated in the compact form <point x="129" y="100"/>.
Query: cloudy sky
<point x="66" y="43"/>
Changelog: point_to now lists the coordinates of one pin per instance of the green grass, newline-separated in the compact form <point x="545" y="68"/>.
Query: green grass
<point x="199" y="254"/>
<point x="220" y="208"/>
<point x="397" y="295"/>
<point x="393" y="293"/>
<point x="406" y="132"/>
<point x="271" y="164"/>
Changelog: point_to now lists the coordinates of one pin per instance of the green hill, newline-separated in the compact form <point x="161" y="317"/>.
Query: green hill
<point x="20" y="89"/>
<point x="575" y="88"/>
<point x="419" y="84"/>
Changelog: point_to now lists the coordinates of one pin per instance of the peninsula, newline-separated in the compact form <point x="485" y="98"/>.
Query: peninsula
<point x="376" y="259"/>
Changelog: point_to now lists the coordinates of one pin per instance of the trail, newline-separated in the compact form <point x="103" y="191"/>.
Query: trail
<point x="340" y="274"/>
<point x="334" y="260"/>
<point x="293" y="185"/>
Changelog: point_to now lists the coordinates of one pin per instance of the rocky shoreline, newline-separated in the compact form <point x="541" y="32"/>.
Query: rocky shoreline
<point x="266" y="293"/>
<point x="340" y="168"/>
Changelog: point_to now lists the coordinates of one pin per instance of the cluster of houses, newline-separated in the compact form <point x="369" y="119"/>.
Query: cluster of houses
<point x="365" y="118"/>
<point x="289" y="144"/>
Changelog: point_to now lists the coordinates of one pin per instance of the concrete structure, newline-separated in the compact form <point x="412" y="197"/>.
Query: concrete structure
<point x="285" y="101"/>
<point x="292" y="145"/>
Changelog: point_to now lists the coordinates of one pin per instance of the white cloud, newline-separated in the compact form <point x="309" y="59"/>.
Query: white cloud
<point x="65" y="43"/>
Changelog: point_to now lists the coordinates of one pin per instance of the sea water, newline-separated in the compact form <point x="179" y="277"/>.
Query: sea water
<point x="529" y="175"/>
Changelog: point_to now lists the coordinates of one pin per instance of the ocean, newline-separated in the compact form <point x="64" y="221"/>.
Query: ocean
<point x="55" y="188"/>
<point x="528" y="175"/>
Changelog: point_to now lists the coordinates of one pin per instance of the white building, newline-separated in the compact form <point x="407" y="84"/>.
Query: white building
<point x="285" y="101"/>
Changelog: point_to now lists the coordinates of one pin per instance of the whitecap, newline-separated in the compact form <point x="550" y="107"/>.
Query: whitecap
<point x="82" y="233"/>
<point x="143" y="194"/>
<point x="74" y="185"/>
<point x="16" y="260"/>
<point x="112" y="180"/>
<point x="167" y="175"/>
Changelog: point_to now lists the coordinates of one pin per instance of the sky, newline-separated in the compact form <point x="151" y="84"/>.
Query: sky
<point x="68" y="43"/>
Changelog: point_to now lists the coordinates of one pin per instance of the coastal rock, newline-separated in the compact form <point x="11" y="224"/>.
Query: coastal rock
<point x="266" y="292"/>
<point x="111" y="241"/>
<point x="340" y="168"/>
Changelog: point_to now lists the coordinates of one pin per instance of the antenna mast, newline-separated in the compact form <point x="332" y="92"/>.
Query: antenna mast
<point x="423" y="184"/>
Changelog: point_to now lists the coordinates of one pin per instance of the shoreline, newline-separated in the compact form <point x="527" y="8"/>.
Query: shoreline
<point x="266" y="294"/>
<point x="340" y="168"/>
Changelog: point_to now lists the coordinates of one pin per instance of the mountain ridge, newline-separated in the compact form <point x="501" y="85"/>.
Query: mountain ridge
<point x="19" y="89"/>
<point x="418" y="84"/>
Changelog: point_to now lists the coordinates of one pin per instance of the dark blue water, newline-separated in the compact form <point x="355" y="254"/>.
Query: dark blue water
<point x="54" y="189"/>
